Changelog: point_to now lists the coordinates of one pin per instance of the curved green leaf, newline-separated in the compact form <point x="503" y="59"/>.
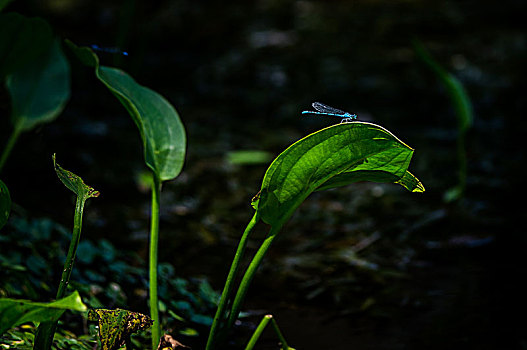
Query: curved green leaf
<point x="464" y="113"/>
<point x="22" y="40"/>
<point x="74" y="182"/>
<point x="5" y="204"/>
<point x="14" y="312"/>
<point x="455" y="89"/>
<point x="335" y="156"/>
<point x="39" y="92"/>
<point x="161" y="129"/>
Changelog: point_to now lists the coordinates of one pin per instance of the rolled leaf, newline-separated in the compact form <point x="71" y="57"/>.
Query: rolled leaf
<point x="74" y="182"/>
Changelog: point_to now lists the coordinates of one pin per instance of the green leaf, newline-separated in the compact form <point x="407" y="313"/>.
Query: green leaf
<point x="74" y="182"/>
<point x="5" y="204"/>
<point x="115" y="326"/>
<point x="335" y="156"/>
<point x="39" y="92"/>
<point x="22" y="40"/>
<point x="14" y="312"/>
<point x="162" y="132"/>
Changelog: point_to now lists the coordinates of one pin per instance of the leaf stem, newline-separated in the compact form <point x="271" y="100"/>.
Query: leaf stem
<point x="249" y="275"/>
<point x="68" y="265"/>
<point x="154" y="238"/>
<point x="227" y="289"/>
<point x="46" y="330"/>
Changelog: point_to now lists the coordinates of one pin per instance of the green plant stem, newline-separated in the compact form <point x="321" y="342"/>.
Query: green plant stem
<point x="227" y="289"/>
<point x="9" y="146"/>
<point x="68" y="266"/>
<point x="280" y="335"/>
<point x="261" y="327"/>
<point x="154" y="238"/>
<point x="46" y="330"/>
<point x="249" y="275"/>
<point x="255" y="263"/>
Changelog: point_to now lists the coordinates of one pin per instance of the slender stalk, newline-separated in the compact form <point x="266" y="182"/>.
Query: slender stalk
<point x="68" y="266"/>
<point x="255" y="263"/>
<point x="227" y="289"/>
<point x="249" y="275"/>
<point x="46" y="330"/>
<point x="9" y="146"/>
<point x="280" y="335"/>
<point x="258" y="332"/>
<point x="154" y="238"/>
<point x="261" y="327"/>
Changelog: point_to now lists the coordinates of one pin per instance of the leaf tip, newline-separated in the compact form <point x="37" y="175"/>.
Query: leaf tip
<point x="255" y="199"/>
<point x="420" y="188"/>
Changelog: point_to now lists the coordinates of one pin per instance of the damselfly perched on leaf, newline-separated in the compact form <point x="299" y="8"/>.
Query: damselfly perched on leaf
<point x="328" y="110"/>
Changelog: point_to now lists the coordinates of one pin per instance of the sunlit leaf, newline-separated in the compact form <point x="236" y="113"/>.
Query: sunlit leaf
<point x="39" y="92"/>
<point x="5" y="204"/>
<point x="162" y="132"/>
<point x="74" y="182"/>
<point x="332" y="157"/>
<point x="115" y="326"/>
<point x="22" y="40"/>
<point x="14" y="312"/>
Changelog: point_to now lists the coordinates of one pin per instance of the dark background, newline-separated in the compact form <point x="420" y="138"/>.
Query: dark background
<point x="437" y="275"/>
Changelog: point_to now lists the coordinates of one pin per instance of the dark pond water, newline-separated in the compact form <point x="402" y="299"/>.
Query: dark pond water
<point x="430" y="275"/>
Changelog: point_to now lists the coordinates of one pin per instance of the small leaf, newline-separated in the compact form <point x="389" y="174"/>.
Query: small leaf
<point x="161" y="129"/>
<point x="22" y="40"/>
<point x="332" y="157"/>
<point x="5" y="204"/>
<point x="74" y="182"/>
<point x="115" y="326"/>
<point x="14" y="312"/>
<point x="39" y="92"/>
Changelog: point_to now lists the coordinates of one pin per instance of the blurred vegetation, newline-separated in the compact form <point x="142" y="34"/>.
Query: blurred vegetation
<point x="368" y="266"/>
